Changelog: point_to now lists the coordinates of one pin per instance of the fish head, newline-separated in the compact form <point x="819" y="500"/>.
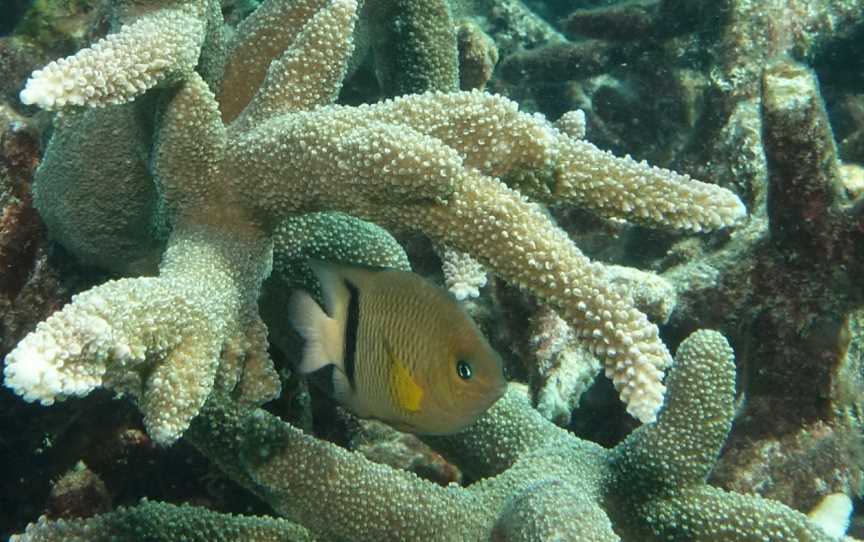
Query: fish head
<point x="466" y="384"/>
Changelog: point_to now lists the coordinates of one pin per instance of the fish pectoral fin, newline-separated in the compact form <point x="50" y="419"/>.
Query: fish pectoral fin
<point x="399" y="425"/>
<point x="323" y="379"/>
<point x="321" y="333"/>
<point x="332" y="381"/>
<point x="407" y="393"/>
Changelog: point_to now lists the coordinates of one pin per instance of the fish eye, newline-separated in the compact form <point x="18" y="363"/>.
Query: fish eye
<point x="463" y="369"/>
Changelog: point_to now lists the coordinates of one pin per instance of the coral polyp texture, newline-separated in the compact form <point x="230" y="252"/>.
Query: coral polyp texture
<point x="266" y="144"/>
<point x="535" y="480"/>
<point x="160" y="45"/>
<point x="235" y="162"/>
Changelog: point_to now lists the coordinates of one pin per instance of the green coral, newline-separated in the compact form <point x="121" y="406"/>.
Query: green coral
<point x="535" y="481"/>
<point x="336" y="237"/>
<point x="414" y="43"/>
<point x="125" y="230"/>
<point x="161" y="522"/>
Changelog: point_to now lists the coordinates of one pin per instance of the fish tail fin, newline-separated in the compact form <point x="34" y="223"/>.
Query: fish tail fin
<point x="321" y="333"/>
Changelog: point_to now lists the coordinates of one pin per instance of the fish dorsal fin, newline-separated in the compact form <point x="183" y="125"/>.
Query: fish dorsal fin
<point x="407" y="394"/>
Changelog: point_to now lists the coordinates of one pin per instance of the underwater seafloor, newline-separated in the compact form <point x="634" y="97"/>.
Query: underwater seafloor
<point x="760" y="99"/>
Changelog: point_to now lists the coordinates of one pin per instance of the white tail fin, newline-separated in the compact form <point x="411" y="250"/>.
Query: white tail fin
<point x="321" y="333"/>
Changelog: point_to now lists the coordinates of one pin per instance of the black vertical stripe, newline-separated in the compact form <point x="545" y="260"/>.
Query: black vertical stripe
<point x="351" y="326"/>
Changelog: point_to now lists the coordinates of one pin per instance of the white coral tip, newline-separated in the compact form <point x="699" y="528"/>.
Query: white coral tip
<point x="645" y="404"/>
<point x="31" y="376"/>
<point x="740" y="210"/>
<point x="38" y="92"/>
<point x="832" y="514"/>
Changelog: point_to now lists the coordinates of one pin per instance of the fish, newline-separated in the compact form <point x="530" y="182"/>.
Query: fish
<point x="392" y="346"/>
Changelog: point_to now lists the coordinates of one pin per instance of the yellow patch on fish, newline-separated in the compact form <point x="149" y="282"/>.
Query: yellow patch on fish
<point x="407" y="394"/>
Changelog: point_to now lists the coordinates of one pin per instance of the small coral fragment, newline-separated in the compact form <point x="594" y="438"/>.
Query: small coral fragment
<point x="562" y="368"/>
<point x="463" y="276"/>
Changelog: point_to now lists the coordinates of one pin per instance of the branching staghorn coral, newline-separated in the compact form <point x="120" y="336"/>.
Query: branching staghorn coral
<point x="429" y="161"/>
<point x="723" y="102"/>
<point x="649" y="488"/>
<point x="560" y="367"/>
<point x="162" y="45"/>
<point x="535" y="480"/>
<point x="161" y="522"/>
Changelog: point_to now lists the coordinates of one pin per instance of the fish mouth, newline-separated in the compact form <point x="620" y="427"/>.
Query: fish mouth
<point x="488" y="397"/>
<point x="488" y="394"/>
<point x="501" y="388"/>
<point x="499" y="393"/>
<point x="496" y="389"/>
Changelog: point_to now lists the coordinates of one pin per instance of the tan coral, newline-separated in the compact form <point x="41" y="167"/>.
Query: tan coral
<point x="428" y="161"/>
<point x="157" y="47"/>
<point x="162" y="342"/>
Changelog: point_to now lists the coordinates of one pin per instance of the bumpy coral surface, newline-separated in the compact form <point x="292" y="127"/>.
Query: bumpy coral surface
<point x="266" y="145"/>
<point x="535" y="481"/>
<point x="166" y="523"/>
<point x="245" y="138"/>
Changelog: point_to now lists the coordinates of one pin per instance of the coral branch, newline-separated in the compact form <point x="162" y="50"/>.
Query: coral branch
<point x="534" y="479"/>
<point x="801" y="154"/>
<point x="157" y="48"/>
<point x="534" y="254"/>
<point x="310" y="72"/>
<point x="260" y="39"/>
<point x="158" y="339"/>
<point x="165" y="523"/>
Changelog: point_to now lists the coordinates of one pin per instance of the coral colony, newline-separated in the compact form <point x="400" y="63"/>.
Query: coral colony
<point x="221" y="156"/>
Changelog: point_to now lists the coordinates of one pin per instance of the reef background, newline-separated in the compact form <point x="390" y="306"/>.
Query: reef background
<point x="688" y="88"/>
